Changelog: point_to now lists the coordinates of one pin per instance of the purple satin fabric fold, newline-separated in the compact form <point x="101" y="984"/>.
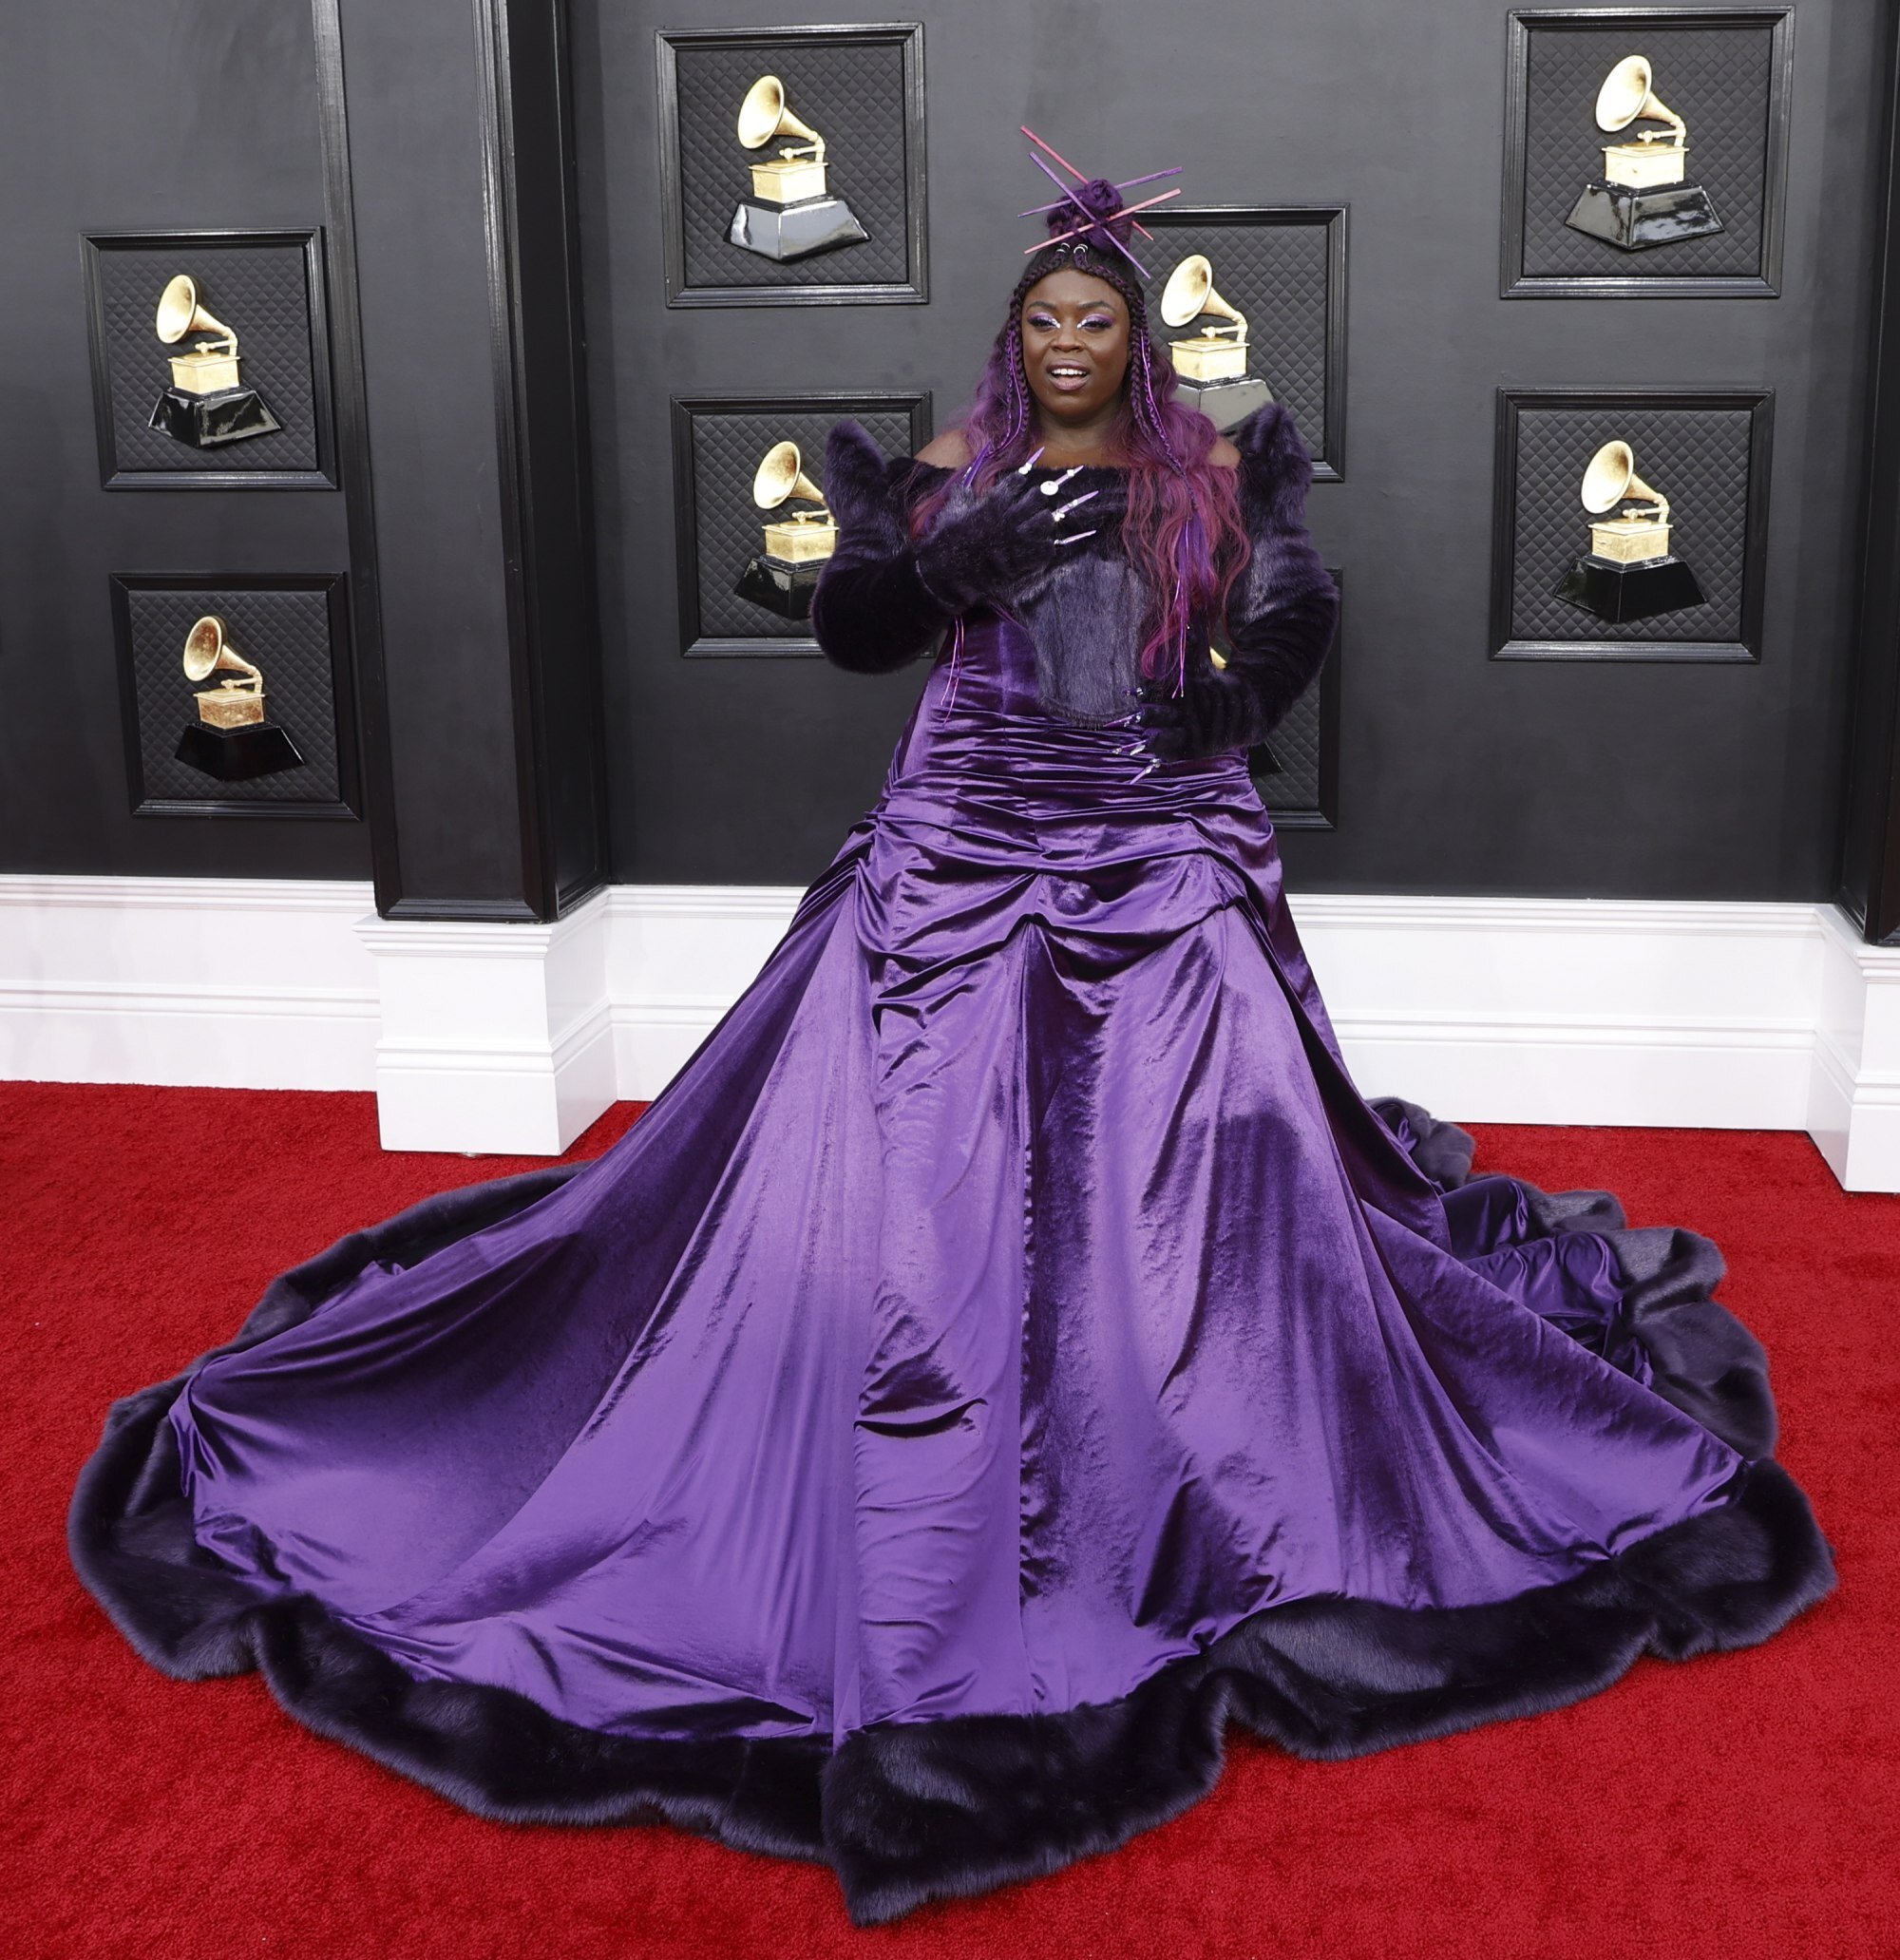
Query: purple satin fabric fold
<point x="1012" y="1294"/>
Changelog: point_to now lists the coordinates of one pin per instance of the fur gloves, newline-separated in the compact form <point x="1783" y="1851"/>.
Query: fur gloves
<point x="882" y="600"/>
<point x="870" y="611"/>
<point x="980" y="548"/>
<point x="1281" y="614"/>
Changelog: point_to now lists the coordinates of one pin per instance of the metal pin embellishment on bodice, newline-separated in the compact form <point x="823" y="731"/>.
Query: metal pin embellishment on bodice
<point x="1054" y="489"/>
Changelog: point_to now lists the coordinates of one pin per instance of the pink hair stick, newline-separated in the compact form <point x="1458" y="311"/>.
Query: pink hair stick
<point x="1068" y="196"/>
<point x="1161" y="199"/>
<point x="1080" y="179"/>
<point x="1127" y="183"/>
<point x="1053" y="151"/>
<point x="1153" y="176"/>
<point x="1090" y="218"/>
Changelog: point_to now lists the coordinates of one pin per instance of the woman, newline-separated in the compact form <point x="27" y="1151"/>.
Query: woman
<point x="1011" y="1346"/>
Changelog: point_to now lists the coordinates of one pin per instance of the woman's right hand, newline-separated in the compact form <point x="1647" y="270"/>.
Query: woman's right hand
<point x="982" y="546"/>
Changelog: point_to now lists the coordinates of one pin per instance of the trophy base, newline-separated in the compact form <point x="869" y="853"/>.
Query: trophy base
<point x="1635" y="219"/>
<point x="238" y="755"/>
<point x="1224" y="403"/>
<point x="1619" y="594"/>
<point x="204" y="421"/>
<point x="794" y="231"/>
<point x="1261" y="761"/>
<point x="780" y="586"/>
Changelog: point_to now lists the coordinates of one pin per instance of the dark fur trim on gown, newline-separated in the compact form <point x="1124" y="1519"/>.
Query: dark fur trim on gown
<point x="908" y="1812"/>
<point x="1043" y="985"/>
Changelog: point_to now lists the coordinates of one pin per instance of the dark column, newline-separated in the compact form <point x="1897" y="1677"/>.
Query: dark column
<point x="448" y="149"/>
<point x="1869" y="878"/>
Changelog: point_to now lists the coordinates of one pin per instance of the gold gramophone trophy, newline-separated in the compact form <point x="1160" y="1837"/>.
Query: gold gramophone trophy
<point x="1641" y="199"/>
<point x="1629" y="572"/>
<point x="1211" y="365"/>
<point x="230" y="739"/>
<point x="207" y="403"/>
<point x="781" y="577"/>
<point x="790" y="213"/>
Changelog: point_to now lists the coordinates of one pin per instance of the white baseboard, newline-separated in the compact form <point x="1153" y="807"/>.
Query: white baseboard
<point x="1611" y="1011"/>
<point x="490" y="1037"/>
<point x="494" y="1037"/>
<point x="676" y="951"/>
<point x="223" y="982"/>
<point x="1853" y="1106"/>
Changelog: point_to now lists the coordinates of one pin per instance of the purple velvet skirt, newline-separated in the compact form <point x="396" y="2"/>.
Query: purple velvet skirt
<point x="1008" y="1350"/>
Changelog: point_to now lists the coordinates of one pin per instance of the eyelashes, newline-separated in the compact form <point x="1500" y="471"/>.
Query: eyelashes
<point x="1044" y="324"/>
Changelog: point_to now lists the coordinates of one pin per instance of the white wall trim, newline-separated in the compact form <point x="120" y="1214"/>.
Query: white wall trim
<point x="494" y="1036"/>
<point x="484" y="1037"/>
<point x="225" y="982"/>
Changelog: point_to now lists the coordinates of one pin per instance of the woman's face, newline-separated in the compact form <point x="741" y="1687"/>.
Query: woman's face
<point x="1075" y="345"/>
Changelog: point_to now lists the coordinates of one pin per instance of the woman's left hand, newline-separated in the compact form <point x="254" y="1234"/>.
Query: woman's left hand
<point x="1213" y="715"/>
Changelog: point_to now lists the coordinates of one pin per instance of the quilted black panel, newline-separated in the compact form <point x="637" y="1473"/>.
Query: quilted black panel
<point x="1298" y="788"/>
<point x="287" y="635"/>
<point x="1295" y="745"/>
<point x="1698" y="458"/>
<point x="1275" y="274"/>
<point x="853" y="94"/>
<point x="728" y="447"/>
<point x="261" y="292"/>
<point x="1716" y="78"/>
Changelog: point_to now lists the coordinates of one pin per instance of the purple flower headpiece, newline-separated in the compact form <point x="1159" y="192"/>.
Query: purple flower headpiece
<point x="1092" y="209"/>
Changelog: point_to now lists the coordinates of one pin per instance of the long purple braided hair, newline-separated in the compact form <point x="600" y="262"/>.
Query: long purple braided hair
<point x="1183" y="531"/>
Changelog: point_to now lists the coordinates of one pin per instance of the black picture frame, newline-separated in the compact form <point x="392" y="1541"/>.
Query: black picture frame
<point x="1758" y="402"/>
<point x="347" y="806"/>
<point x="686" y="411"/>
<point x="1623" y="23"/>
<point x="1324" y="812"/>
<point x="915" y="291"/>
<point x="1330" y="447"/>
<point x="309" y="239"/>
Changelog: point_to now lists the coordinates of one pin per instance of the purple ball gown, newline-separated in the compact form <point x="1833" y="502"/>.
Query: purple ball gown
<point x="1008" y="1350"/>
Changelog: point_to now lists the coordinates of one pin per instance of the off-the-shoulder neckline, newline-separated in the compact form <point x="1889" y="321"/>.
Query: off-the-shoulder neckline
<point x="1044" y="469"/>
<point x="1036" y="468"/>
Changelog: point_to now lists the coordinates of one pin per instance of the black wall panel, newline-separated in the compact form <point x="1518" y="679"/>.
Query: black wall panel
<point x="1286" y="270"/>
<point x="1724" y="72"/>
<point x="1709" y="454"/>
<point x="270" y="286"/>
<point x="717" y="445"/>
<point x="294" y="629"/>
<point x="1455" y="771"/>
<point x="119" y="119"/>
<point x="861" y="90"/>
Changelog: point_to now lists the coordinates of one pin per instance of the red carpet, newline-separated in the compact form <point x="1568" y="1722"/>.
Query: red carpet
<point x="1738" y="1805"/>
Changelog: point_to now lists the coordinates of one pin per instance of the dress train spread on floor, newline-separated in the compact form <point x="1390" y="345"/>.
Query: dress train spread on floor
<point x="1010" y="1350"/>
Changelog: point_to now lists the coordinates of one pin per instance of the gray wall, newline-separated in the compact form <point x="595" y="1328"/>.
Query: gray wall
<point x="1458" y="774"/>
<point x="463" y="529"/>
<point x="125" y="116"/>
